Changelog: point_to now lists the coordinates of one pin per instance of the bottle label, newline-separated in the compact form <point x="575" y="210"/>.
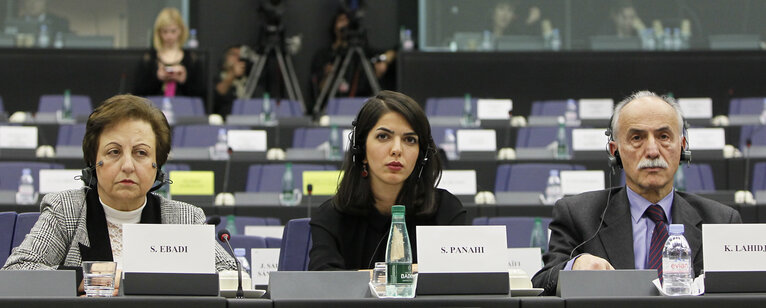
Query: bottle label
<point x="399" y="273"/>
<point x="675" y="267"/>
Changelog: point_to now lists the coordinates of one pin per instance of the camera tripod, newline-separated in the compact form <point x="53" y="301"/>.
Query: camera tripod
<point x="274" y="43"/>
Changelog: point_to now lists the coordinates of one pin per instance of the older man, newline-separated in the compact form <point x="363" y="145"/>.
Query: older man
<point x="647" y="141"/>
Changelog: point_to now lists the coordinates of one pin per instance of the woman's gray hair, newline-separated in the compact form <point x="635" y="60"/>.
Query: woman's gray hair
<point x="641" y="94"/>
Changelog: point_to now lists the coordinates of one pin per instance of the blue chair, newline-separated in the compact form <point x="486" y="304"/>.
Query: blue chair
<point x="2" y="107"/>
<point x="539" y="137"/>
<point x="448" y="106"/>
<point x="747" y="105"/>
<point x="437" y="133"/>
<point x="273" y="242"/>
<point x="310" y="137"/>
<point x="243" y="221"/>
<point x="201" y="135"/>
<point x="759" y="177"/>
<point x="81" y="105"/>
<point x="177" y="167"/>
<point x="283" y="108"/>
<point x="10" y="173"/>
<point x="183" y="106"/>
<point x="549" y="108"/>
<point x="699" y="177"/>
<point x="7" y="227"/>
<point x="480" y="221"/>
<point x="24" y="224"/>
<point x="247" y="242"/>
<point x="296" y="244"/>
<point x="518" y="229"/>
<point x="755" y="133"/>
<point x="268" y="178"/>
<point x="527" y="177"/>
<point x="348" y="106"/>
<point x="70" y="134"/>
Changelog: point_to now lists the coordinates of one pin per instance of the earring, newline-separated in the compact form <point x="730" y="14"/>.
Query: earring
<point x="364" y="171"/>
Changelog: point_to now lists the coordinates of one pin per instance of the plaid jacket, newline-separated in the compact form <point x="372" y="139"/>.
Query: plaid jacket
<point x="56" y="236"/>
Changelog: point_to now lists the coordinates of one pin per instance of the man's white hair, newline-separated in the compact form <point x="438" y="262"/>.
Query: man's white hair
<point x="641" y="94"/>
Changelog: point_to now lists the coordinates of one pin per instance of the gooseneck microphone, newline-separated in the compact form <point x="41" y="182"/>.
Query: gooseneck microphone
<point x="224" y="236"/>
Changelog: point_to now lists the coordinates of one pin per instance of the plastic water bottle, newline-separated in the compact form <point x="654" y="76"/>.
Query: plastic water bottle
<point x="408" y="44"/>
<point x="763" y="113"/>
<point x="570" y="115"/>
<point x="677" y="263"/>
<point x="450" y="144"/>
<point x="66" y="107"/>
<point x="647" y="39"/>
<point x="486" y="42"/>
<point x="667" y="38"/>
<point x="553" y="189"/>
<point x="231" y="225"/>
<point x="679" y="180"/>
<point x="43" y="38"/>
<point x="468" y="120"/>
<point x="538" y="238"/>
<point x="193" y="43"/>
<point x="562" y="149"/>
<point x="58" y="41"/>
<point x="266" y="113"/>
<point x="399" y="256"/>
<point x="167" y="109"/>
<point x="288" y="185"/>
<point x="240" y="254"/>
<point x="26" y="193"/>
<point x="335" y="145"/>
<point x="677" y="40"/>
<point x="221" y="147"/>
<point x="555" y="40"/>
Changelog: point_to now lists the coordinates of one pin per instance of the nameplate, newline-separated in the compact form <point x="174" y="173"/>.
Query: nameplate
<point x="166" y="248"/>
<point x="462" y="249"/>
<point x="734" y="247"/>
<point x="263" y="262"/>
<point x="697" y="107"/>
<point x="54" y="180"/>
<point x="346" y="139"/>
<point x="323" y="183"/>
<point x="476" y="140"/>
<point x="247" y="140"/>
<point x="527" y="259"/>
<point x="18" y="137"/>
<point x="493" y="109"/>
<point x="575" y="182"/>
<point x="192" y="183"/>
<point x="706" y="138"/>
<point x="265" y="231"/>
<point x="589" y="139"/>
<point x="595" y="108"/>
<point x="458" y="182"/>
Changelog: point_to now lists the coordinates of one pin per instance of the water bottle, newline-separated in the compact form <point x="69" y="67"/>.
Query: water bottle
<point x="240" y="254"/>
<point x="667" y="39"/>
<point x="647" y="39"/>
<point x="334" y="143"/>
<point x="677" y="40"/>
<point x="486" y="42"/>
<point x="570" y="115"/>
<point x="66" y="107"/>
<point x="408" y="44"/>
<point x="468" y="120"/>
<point x="43" y="39"/>
<point x="538" y="238"/>
<point x="58" y="41"/>
<point x="553" y="189"/>
<point x="398" y="257"/>
<point x="266" y="113"/>
<point x="562" y="149"/>
<point x="288" y="185"/>
<point x="26" y="193"/>
<point x="679" y="180"/>
<point x="450" y="144"/>
<point x="555" y="40"/>
<point x="167" y="109"/>
<point x="677" y="268"/>
<point x="763" y="113"/>
<point x="193" y="43"/>
<point x="221" y="147"/>
<point x="231" y="225"/>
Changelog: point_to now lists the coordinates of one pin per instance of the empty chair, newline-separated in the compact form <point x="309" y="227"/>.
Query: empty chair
<point x="748" y="105"/>
<point x="176" y="167"/>
<point x="518" y="229"/>
<point x="197" y="135"/>
<point x="345" y="105"/>
<point x="183" y="106"/>
<point x="549" y="108"/>
<point x="448" y="106"/>
<point x="283" y="108"/>
<point x="480" y="221"/>
<point x="10" y="173"/>
<point x="539" y="137"/>
<point x="24" y="223"/>
<point x="70" y="134"/>
<point x="755" y="133"/>
<point x="698" y="177"/>
<point x="247" y="242"/>
<point x="81" y="105"/>
<point x="527" y="177"/>
<point x="759" y="177"/>
<point x="310" y="137"/>
<point x="273" y="242"/>
<point x="268" y="178"/>
<point x="437" y="133"/>
<point x="7" y="227"/>
<point x="296" y="244"/>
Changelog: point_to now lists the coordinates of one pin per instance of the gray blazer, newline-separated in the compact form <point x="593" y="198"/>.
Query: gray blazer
<point x="56" y="236"/>
<point x="576" y="218"/>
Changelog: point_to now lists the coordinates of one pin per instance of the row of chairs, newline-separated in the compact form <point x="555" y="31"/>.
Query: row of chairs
<point x="13" y="228"/>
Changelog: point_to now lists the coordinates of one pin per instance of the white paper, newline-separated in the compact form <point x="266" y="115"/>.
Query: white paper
<point x="265" y="231"/>
<point x="458" y="182"/>
<point x="528" y="259"/>
<point x="166" y="248"/>
<point x="345" y="138"/>
<point x="706" y="138"/>
<point x="734" y="247"/>
<point x="579" y="181"/>
<point x="18" y="137"/>
<point x="696" y="108"/>
<point x="493" y="109"/>
<point x="589" y="139"/>
<point x="476" y="140"/>
<point x="595" y="108"/>
<point x="54" y="180"/>
<point x="262" y="262"/>
<point x="462" y="249"/>
<point x="247" y="140"/>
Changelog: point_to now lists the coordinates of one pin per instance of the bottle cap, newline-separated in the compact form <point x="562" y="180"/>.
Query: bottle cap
<point x="553" y="172"/>
<point x="239" y="251"/>
<point x="26" y="171"/>
<point x="398" y="209"/>
<point x="676" y="229"/>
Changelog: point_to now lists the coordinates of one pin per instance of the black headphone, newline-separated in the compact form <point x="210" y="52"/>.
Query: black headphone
<point x="89" y="176"/>
<point x="615" y="162"/>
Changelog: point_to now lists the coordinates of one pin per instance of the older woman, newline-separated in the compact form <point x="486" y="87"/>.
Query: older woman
<point x="393" y="160"/>
<point x="168" y="69"/>
<point x="126" y="141"/>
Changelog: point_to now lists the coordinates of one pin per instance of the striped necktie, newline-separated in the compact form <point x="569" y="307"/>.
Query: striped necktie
<point x="660" y="235"/>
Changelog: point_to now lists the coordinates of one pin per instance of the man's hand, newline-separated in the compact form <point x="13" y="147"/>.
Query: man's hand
<point x="591" y="262"/>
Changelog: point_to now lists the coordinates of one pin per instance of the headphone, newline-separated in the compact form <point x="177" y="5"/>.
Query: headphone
<point x="615" y="162"/>
<point x="357" y="150"/>
<point x="89" y="176"/>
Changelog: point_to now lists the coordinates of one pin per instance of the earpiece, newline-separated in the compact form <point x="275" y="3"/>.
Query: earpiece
<point x="154" y="165"/>
<point x="354" y="148"/>
<point x="100" y="163"/>
<point x="426" y="156"/>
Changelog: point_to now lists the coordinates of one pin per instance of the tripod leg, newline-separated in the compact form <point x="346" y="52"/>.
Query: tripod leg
<point x="371" y="78"/>
<point x="294" y="79"/>
<point x="337" y="77"/>
<point x="283" y="71"/>
<point x="255" y="74"/>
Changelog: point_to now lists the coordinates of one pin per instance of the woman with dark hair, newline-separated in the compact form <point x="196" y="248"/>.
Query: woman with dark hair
<point x="392" y="161"/>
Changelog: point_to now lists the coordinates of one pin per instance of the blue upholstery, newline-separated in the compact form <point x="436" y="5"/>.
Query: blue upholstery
<point x="549" y="108"/>
<point x="699" y="177"/>
<point x="7" y="227"/>
<point x="437" y="133"/>
<point x="748" y="105"/>
<point x="311" y="137"/>
<point x="296" y="244"/>
<point x="518" y="229"/>
<point x="201" y="135"/>
<point x="759" y="177"/>
<point x="480" y="221"/>
<point x="183" y="106"/>
<point x="448" y="106"/>
<point x="2" y="107"/>
<point x="756" y="134"/>
<point x="10" y="173"/>
<point x="70" y="134"/>
<point x="539" y="137"/>
<point x="273" y="242"/>
<point x="248" y="242"/>
<point x="24" y="223"/>
<point x="268" y="178"/>
<point x="345" y="105"/>
<point x="242" y="221"/>
<point x="283" y="108"/>
<point x="51" y="103"/>
<point x="176" y="167"/>
<point x="527" y="177"/>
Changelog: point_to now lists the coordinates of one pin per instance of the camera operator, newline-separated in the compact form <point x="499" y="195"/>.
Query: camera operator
<point x="230" y="81"/>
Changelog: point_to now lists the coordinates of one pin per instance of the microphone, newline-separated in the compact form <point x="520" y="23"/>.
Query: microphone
<point x="309" y="188"/>
<point x="224" y="236"/>
<point x="214" y="220"/>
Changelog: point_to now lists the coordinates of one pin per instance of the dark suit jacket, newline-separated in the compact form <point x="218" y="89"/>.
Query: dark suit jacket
<point x="575" y="219"/>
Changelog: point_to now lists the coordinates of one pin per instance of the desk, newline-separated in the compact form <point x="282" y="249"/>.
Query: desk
<point x="426" y="301"/>
<point x="117" y="302"/>
<point x="710" y="300"/>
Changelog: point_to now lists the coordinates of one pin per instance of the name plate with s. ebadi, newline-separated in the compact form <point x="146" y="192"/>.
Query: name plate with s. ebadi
<point x="462" y="260"/>
<point x="734" y="255"/>
<point x="157" y="257"/>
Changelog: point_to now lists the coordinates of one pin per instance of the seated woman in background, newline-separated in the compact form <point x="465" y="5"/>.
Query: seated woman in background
<point x="126" y="142"/>
<point x="168" y="69"/>
<point x="392" y="161"/>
